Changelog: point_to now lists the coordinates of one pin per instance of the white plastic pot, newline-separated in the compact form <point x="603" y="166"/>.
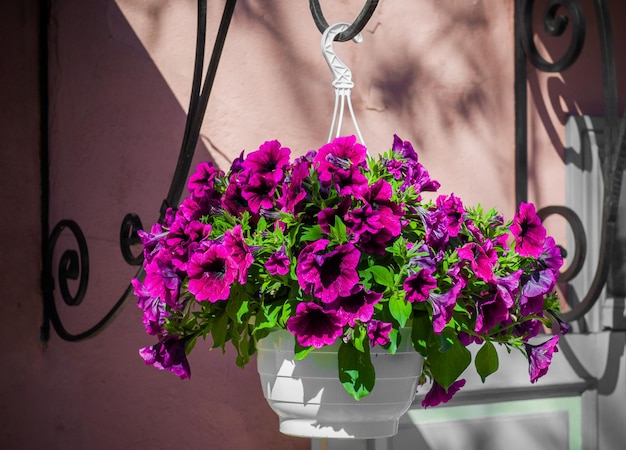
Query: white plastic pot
<point x="311" y="401"/>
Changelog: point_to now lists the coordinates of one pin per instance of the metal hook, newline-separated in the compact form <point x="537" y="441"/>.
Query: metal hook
<point x="342" y="78"/>
<point x="354" y="29"/>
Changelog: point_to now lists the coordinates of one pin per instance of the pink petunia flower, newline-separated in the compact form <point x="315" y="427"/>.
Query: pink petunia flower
<point x="314" y="326"/>
<point x="528" y="231"/>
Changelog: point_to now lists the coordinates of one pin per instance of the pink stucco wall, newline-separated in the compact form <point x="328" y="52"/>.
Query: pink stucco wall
<point x="438" y="73"/>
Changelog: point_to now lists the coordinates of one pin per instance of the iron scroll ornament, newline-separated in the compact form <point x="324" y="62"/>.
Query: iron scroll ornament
<point x="74" y="265"/>
<point x="612" y="154"/>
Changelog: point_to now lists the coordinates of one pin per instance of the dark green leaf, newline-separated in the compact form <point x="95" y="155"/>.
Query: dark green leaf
<point x="448" y="366"/>
<point x="421" y="331"/>
<point x="219" y="330"/>
<point x="356" y="371"/>
<point x="486" y="360"/>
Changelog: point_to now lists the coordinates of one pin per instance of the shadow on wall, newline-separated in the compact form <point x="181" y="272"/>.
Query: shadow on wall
<point x="115" y="133"/>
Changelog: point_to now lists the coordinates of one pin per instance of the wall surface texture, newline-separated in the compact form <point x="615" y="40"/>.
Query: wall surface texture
<point x="436" y="72"/>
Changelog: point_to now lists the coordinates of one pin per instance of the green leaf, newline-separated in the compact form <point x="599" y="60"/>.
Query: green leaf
<point x="421" y="332"/>
<point x="486" y="360"/>
<point x="382" y="275"/>
<point x="339" y="230"/>
<point x="394" y="341"/>
<point x="219" y="330"/>
<point x="312" y="233"/>
<point x="356" y="371"/>
<point x="300" y="351"/>
<point x="400" y="309"/>
<point x="447" y="366"/>
<point x="234" y="303"/>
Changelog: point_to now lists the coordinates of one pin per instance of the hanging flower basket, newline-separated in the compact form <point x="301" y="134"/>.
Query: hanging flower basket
<point x="337" y="249"/>
<point x="310" y="401"/>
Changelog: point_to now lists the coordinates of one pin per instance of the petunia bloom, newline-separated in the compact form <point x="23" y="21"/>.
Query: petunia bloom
<point x="268" y="161"/>
<point x="168" y="354"/>
<point x="328" y="274"/>
<point x="438" y="394"/>
<point x="211" y="273"/>
<point x="278" y="263"/>
<point x="528" y="231"/>
<point x="419" y="285"/>
<point x="314" y="326"/>
<point x="540" y="357"/>
<point x="378" y="332"/>
<point x="359" y="305"/>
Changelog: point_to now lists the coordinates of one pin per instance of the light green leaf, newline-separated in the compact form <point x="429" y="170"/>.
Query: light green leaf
<point x="400" y="309"/>
<point x="382" y="275"/>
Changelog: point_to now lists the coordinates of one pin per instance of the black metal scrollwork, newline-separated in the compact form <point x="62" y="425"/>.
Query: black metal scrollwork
<point x="555" y="25"/>
<point x="74" y="265"/>
<point x="612" y="155"/>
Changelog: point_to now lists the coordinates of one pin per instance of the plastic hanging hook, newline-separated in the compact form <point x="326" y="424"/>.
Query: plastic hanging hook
<point x="342" y="79"/>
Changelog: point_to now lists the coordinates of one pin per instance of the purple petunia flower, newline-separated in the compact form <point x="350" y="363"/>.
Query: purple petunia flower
<point x="359" y="305"/>
<point x="211" y="272"/>
<point x="294" y="192"/>
<point x="233" y="201"/>
<point x="239" y="252"/>
<point x="161" y="279"/>
<point x="378" y="332"/>
<point x="328" y="274"/>
<point x="438" y="394"/>
<point x="168" y="354"/>
<point x="528" y="231"/>
<point x="453" y="208"/>
<point x="540" y="357"/>
<point x="259" y="192"/>
<point x="201" y="182"/>
<point x="419" y="285"/>
<point x="154" y="312"/>
<point x="534" y="287"/>
<point x="378" y="196"/>
<point x="443" y="306"/>
<point x="326" y="217"/>
<point x="404" y="148"/>
<point x="551" y="256"/>
<point x="268" y="161"/>
<point x="278" y="263"/>
<point x="340" y="162"/>
<point x="314" y="326"/>
<point x="435" y="225"/>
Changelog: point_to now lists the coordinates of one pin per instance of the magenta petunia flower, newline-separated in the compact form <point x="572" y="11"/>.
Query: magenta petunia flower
<point x="168" y="354"/>
<point x="278" y="263"/>
<point x="211" y="273"/>
<point x="453" y="208"/>
<point x="233" y="201"/>
<point x="162" y="281"/>
<point x="528" y="231"/>
<point x="269" y="161"/>
<point x="359" y="305"/>
<point x="419" y="285"/>
<point x="378" y="332"/>
<point x="154" y="312"/>
<point x="375" y="242"/>
<point x="540" y="357"/>
<point x="259" y="192"/>
<point x="314" y="326"/>
<point x="328" y="274"/>
<point x="482" y="258"/>
<point x="326" y="217"/>
<point x="363" y="219"/>
<point x="202" y="181"/>
<point x="239" y="252"/>
<point x="294" y="191"/>
<point x="438" y="394"/>
<point x="378" y="196"/>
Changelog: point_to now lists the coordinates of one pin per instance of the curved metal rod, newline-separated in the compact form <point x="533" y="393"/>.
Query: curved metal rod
<point x="75" y="266"/>
<point x="580" y="239"/>
<point x="354" y="29"/>
<point x="554" y="25"/>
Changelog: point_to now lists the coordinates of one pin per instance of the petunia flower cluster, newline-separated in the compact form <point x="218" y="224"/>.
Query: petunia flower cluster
<point x="339" y="246"/>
